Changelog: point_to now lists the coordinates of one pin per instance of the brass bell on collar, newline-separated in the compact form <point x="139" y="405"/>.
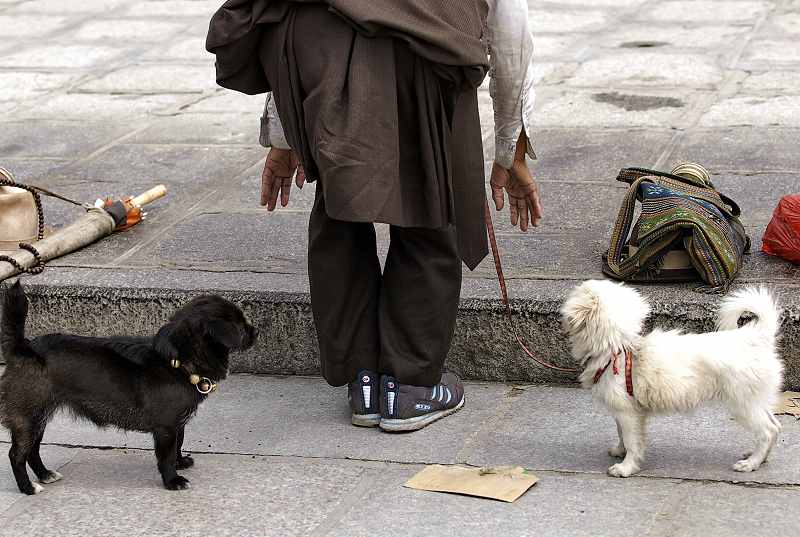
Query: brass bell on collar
<point x="194" y="379"/>
<point x="175" y="363"/>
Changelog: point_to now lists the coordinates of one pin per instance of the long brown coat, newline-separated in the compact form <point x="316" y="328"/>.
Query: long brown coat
<point x="393" y="136"/>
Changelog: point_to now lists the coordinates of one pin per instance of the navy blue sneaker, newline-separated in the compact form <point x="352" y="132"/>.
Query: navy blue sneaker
<point x="363" y="394"/>
<point x="410" y="408"/>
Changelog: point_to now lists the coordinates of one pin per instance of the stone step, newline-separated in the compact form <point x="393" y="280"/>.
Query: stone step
<point x="137" y="302"/>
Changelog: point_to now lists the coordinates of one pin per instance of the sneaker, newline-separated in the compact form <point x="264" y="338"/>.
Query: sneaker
<point x="409" y="408"/>
<point x="363" y="396"/>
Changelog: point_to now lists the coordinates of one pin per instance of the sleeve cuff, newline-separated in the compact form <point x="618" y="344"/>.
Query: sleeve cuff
<point x="506" y="149"/>
<point x="272" y="134"/>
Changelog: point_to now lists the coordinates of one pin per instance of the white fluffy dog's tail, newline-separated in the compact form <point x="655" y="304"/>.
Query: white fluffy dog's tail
<point x="756" y="300"/>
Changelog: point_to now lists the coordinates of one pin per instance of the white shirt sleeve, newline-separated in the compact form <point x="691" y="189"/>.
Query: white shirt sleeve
<point x="272" y="134"/>
<point x="511" y="72"/>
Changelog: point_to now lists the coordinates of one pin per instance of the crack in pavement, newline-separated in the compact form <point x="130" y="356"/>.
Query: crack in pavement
<point x="459" y="462"/>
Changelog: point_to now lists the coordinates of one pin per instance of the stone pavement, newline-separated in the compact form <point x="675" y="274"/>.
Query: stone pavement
<point x="277" y="456"/>
<point x="113" y="96"/>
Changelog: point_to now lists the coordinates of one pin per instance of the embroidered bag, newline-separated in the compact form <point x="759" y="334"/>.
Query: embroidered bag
<point x="683" y="219"/>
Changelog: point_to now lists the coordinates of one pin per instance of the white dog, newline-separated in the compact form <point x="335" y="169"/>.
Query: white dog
<point x="636" y="375"/>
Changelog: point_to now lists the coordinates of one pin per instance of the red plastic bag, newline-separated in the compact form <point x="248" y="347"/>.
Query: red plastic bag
<point x="783" y="233"/>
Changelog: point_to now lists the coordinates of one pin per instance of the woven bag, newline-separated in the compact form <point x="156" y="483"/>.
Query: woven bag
<point x="685" y="221"/>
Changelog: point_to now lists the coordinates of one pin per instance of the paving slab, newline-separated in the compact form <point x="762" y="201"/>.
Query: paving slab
<point x="765" y="152"/>
<point x="716" y="11"/>
<point x="784" y="21"/>
<point x="671" y="36"/>
<point x="606" y="107"/>
<point x="773" y="82"/>
<point x="539" y="426"/>
<point x="191" y="49"/>
<point x="55" y="56"/>
<point x="226" y="101"/>
<point x="56" y="6"/>
<point x="594" y="156"/>
<point x="771" y="52"/>
<point x="155" y="79"/>
<point x="273" y="243"/>
<point x="77" y="106"/>
<point x="141" y="30"/>
<point x="119" y="493"/>
<point x="574" y="20"/>
<point x="16" y="26"/>
<point x="190" y="173"/>
<point x="200" y="129"/>
<point x="719" y="510"/>
<point x="56" y="458"/>
<point x="781" y="111"/>
<point x="53" y="139"/>
<point x="557" y="505"/>
<point x="655" y="69"/>
<point x="174" y="8"/>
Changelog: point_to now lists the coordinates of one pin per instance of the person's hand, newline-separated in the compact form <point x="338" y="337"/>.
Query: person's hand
<point x="277" y="176"/>
<point x="523" y="192"/>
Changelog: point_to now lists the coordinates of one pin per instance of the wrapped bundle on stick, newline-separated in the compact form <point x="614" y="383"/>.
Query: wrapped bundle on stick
<point x="101" y="219"/>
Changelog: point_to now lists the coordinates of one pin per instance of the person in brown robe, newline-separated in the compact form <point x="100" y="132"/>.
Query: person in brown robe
<point x="377" y="102"/>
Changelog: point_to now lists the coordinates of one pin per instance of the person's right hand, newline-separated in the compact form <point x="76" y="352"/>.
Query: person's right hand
<point x="518" y="183"/>
<point x="276" y="178"/>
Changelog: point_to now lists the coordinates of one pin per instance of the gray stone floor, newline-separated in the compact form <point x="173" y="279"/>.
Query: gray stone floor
<point x="277" y="456"/>
<point x="101" y="97"/>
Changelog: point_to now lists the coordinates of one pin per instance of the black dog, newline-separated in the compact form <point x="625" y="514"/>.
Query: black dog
<point x="151" y="385"/>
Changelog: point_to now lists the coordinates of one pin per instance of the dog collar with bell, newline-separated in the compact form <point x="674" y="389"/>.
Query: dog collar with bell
<point x="204" y="385"/>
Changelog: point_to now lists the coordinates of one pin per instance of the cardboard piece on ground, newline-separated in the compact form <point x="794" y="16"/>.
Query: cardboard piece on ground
<point x="789" y="404"/>
<point x="505" y="483"/>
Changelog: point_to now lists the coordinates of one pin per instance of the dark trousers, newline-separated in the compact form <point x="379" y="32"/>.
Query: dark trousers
<point x="399" y="322"/>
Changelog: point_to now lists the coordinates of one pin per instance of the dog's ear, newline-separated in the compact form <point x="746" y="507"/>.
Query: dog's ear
<point x="578" y="309"/>
<point x="168" y="340"/>
<point x="225" y="333"/>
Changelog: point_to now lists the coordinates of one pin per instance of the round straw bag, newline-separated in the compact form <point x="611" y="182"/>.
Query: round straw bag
<point x="20" y="215"/>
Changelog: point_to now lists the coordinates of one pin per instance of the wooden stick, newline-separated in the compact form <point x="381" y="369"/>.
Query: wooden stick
<point x="150" y="196"/>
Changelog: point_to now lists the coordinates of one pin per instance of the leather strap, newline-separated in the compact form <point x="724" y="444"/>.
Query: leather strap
<point x="628" y="370"/>
<point x="8" y="178"/>
<point x="504" y="294"/>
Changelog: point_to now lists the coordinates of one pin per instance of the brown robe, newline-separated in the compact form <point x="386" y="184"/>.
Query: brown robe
<point x="393" y="137"/>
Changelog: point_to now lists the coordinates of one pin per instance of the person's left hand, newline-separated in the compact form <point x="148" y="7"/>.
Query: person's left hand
<point x="523" y="192"/>
<point x="276" y="178"/>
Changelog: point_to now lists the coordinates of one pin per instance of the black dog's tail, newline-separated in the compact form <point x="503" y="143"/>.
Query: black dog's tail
<point x="12" y="329"/>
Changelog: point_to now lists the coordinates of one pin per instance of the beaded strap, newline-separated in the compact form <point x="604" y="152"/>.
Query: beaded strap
<point x="6" y="179"/>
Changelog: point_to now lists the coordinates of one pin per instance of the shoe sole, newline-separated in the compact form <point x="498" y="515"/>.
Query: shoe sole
<point x="419" y="422"/>
<point x="365" y="420"/>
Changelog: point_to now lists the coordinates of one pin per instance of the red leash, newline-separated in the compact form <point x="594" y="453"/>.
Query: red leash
<point x="504" y="291"/>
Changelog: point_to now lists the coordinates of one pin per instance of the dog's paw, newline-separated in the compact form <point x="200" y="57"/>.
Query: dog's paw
<point x="177" y="483"/>
<point x="745" y="465"/>
<point x="31" y="488"/>
<point x="184" y="462"/>
<point x="52" y="477"/>
<point x="622" y="470"/>
<point x="617" y="451"/>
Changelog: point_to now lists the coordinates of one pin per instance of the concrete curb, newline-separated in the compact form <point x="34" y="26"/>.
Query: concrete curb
<point x="484" y="347"/>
